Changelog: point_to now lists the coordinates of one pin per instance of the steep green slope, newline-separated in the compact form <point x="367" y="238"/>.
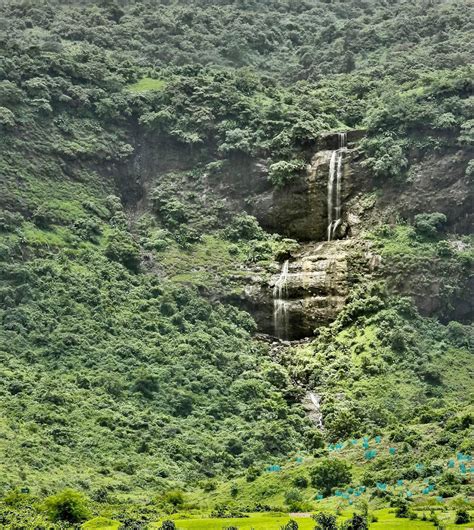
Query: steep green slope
<point x="125" y="374"/>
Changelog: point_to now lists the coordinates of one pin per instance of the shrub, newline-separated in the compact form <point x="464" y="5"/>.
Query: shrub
<point x="293" y="498"/>
<point x="9" y="220"/>
<point x="444" y="250"/>
<point x="7" y="118"/>
<point x="173" y="213"/>
<point x="43" y="217"/>
<point x="68" y="505"/>
<point x="429" y="224"/>
<point x="462" y="516"/>
<point x="300" y="482"/>
<point x="244" y="227"/>
<point x="87" y="229"/>
<point x="252" y="474"/>
<point x="314" y="440"/>
<point x="290" y="525"/>
<point x="402" y="510"/>
<point x="113" y="204"/>
<point x="283" y="172"/>
<point x="209" y="485"/>
<point x="330" y="474"/>
<point x="358" y="522"/>
<point x="173" y="497"/>
<point x="325" y="521"/>
<point x="146" y="383"/>
<point x="167" y="525"/>
<point x="122" y="248"/>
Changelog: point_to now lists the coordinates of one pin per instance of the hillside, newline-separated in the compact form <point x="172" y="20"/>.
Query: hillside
<point x="235" y="246"/>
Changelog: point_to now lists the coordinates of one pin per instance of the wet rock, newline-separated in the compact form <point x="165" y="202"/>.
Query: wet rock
<point x="300" y="210"/>
<point x="315" y="290"/>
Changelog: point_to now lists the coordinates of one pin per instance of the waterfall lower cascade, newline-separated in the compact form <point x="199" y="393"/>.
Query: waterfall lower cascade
<point x="317" y="415"/>
<point x="335" y="186"/>
<point x="280" y="304"/>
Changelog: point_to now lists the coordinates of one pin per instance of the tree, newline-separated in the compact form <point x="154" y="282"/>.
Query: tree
<point x="69" y="506"/>
<point x="358" y="522"/>
<point x="293" y="498"/>
<point x="325" y="521"/>
<point x="330" y="474"/>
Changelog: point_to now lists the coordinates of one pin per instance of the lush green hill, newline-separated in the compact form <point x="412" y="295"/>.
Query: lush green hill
<point x="130" y="372"/>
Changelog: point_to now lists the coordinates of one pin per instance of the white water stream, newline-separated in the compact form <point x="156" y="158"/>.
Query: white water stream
<point x="280" y="304"/>
<point x="335" y="186"/>
<point x="316" y="401"/>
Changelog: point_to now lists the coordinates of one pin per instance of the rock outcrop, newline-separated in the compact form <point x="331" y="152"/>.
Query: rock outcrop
<point x="315" y="290"/>
<point x="300" y="210"/>
<point x="438" y="182"/>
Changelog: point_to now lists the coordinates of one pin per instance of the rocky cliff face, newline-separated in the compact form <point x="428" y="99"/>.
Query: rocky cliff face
<point x="318" y="277"/>
<point x="300" y="210"/>
<point x="436" y="183"/>
<point x="314" y="289"/>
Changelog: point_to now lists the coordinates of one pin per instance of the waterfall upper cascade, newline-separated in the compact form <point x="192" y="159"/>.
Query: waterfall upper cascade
<point x="280" y="304"/>
<point x="335" y="186"/>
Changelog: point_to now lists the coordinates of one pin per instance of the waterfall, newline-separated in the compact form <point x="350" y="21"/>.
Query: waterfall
<point x="280" y="305"/>
<point x="335" y="186"/>
<point x="318" y="417"/>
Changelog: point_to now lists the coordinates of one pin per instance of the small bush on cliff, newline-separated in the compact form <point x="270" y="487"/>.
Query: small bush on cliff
<point x="244" y="227"/>
<point x="429" y="224"/>
<point x="385" y="156"/>
<point x="283" y="172"/>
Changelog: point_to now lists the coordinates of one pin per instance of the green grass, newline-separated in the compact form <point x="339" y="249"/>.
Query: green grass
<point x="400" y="240"/>
<point x="36" y="237"/>
<point x="268" y="521"/>
<point x="274" y="521"/>
<point x="147" y="83"/>
<point x="101" y="523"/>
<point x="206" y="263"/>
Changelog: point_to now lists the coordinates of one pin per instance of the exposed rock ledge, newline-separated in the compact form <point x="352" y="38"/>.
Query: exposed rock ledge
<point x="316" y="288"/>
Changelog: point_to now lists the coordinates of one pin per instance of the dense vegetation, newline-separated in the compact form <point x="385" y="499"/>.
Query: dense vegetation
<point x="125" y="375"/>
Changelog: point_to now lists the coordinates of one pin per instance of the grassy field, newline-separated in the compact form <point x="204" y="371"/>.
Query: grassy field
<point x="267" y="521"/>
